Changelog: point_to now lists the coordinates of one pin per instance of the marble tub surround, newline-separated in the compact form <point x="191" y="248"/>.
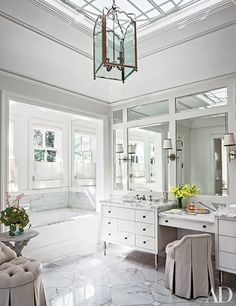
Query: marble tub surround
<point x="83" y="200"/>
<point x="56" y="216"/>
<point x="41" y="201"/>
<point x="122" y="278"/>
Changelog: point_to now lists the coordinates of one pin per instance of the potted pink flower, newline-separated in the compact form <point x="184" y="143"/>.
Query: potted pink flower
<point x="14" y="216"/>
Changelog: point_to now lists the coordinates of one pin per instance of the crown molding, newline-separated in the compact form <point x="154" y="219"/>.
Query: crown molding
<point x="33" y="81"/>
<point x="183" y="21"/>
<point x="44" y="34"/>
<point x="192" y="37"/>
<point x="152" y="32"/>
<point x="52" y="10"/>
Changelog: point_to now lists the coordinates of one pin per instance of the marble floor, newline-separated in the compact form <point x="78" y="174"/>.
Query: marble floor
<point x="123" y="277"/>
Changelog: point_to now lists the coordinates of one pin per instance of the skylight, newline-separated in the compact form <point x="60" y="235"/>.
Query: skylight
<point x="146" y="11"/>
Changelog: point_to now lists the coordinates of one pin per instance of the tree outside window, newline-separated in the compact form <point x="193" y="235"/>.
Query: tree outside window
<point x="44" y="145"/>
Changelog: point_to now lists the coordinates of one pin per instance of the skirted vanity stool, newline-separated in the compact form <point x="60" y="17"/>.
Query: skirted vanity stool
<point x="189" y="271"/>
<point x="20" y="280"/>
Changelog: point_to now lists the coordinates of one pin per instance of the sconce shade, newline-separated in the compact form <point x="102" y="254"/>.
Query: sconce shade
<point x="132" y="149"/>
<point x="119" y="148"/>
<point x="167" y="144"/>
<point x="229" y="140"/>
<point x="179" y="145"/>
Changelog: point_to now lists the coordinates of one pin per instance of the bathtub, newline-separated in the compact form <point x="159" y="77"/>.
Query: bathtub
<point x="62" y="232"/>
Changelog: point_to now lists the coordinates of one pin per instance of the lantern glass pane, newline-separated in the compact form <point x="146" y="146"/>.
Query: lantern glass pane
<point x="113" y="41"/>
<point x="129" y="44"/>
<point x="98" y="45"/>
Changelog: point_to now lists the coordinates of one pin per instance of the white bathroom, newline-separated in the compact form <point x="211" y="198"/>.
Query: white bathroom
<point x="117" y="152"/>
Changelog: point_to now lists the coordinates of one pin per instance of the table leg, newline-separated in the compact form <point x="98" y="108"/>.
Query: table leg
<point x="8" y="244"/>
<point x="156" y="261"/>
<point x="221" y="278"/>
<point x="105" y="248"/>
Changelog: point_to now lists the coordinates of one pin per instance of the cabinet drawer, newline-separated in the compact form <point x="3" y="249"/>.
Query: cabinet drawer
<point x="110" y="223"/>
<point x="126" y="226"/>
<point x="126" y="238"/>
<point x="145" y="229"/>
<point x="227" y="260"/>
<point x="188" y="224"/>
<point x="145" y="216"/>
<point x="110" y="235"/>
<point x="110" y="211"/>
<point x="227" y="244"/>
<point x="227" y="228"/>
<point x="126" y="214"/>
<point x="145" y="242"/>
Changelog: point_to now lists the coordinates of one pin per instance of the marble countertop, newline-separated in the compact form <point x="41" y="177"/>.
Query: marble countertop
<point x="210" y="218"/>
<point x="160" y="206"/>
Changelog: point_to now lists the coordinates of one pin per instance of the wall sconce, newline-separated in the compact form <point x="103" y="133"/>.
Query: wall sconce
<point x="120" y="150"/>
<point x="167" y="145"/>
<point x="229" y="141"/>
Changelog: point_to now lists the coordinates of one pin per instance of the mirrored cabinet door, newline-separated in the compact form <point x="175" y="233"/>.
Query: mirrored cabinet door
<point x="118" y="156"/>
<point x="201" y="155"/>
<point x="147" y="161"/>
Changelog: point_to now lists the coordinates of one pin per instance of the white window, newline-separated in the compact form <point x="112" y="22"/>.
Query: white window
<point x="84" y="159"/>
<point x="47" y="157"/>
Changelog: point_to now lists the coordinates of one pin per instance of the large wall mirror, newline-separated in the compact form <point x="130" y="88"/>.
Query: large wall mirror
<point x="147" y="162"/>
<point x="201" y="155"/>
<point x="118" y="152"/>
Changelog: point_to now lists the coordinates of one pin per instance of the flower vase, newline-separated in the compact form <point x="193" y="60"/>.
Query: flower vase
<point x="179" y="203"/>
<point x="15" y="230"/>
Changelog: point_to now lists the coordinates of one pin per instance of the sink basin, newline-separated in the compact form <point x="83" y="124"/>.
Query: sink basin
<point x="130" y="201"/>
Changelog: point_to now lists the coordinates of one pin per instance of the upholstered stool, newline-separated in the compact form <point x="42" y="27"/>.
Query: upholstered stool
<point x="20" y="280"/>
<point x="188" y="271"/>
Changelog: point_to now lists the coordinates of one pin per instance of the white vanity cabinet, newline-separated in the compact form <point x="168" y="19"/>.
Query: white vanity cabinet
<point x="136" y="227"/>
<point x="226" y="244"/>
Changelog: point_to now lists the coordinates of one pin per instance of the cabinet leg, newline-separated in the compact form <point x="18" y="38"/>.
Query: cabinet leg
<point x="221" y="279"/>
<point x="105" y="248"/>
<point x="156" y="261"/>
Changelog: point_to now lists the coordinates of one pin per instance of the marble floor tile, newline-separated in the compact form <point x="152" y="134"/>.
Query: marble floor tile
<point x="137" y="294"/>
<point x="126" y="276"/>
<point x="122" y="278"/>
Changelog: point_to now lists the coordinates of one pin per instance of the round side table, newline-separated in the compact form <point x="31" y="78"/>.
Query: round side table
<point x="17" y="243"/>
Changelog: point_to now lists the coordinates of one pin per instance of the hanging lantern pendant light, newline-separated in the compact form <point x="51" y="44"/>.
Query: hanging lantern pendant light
<point x="114" y="45"/>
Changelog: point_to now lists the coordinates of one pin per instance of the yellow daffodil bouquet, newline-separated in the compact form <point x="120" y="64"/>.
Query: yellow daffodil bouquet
<point x="184" y="191"/>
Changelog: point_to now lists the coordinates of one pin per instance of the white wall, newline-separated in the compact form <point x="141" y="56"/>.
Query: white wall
<point x="200" y="51"/>
<point x="37" y="45"/>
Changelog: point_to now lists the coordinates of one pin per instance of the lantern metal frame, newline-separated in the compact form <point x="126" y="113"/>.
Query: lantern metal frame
<point x="106" y="63"/>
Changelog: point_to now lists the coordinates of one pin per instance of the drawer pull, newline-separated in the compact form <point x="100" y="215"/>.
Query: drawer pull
<point x="144" y="217"/>
<point x="126" y="238"/>
<point x="144" y="229"/>
<point x="109" y="222"/>
<point x="204" y="226"/>
<point x="109" y="234"/>
<point x="144" y="242"/>
<point x="109" y="211"/>
<point x="166" y="221"/>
